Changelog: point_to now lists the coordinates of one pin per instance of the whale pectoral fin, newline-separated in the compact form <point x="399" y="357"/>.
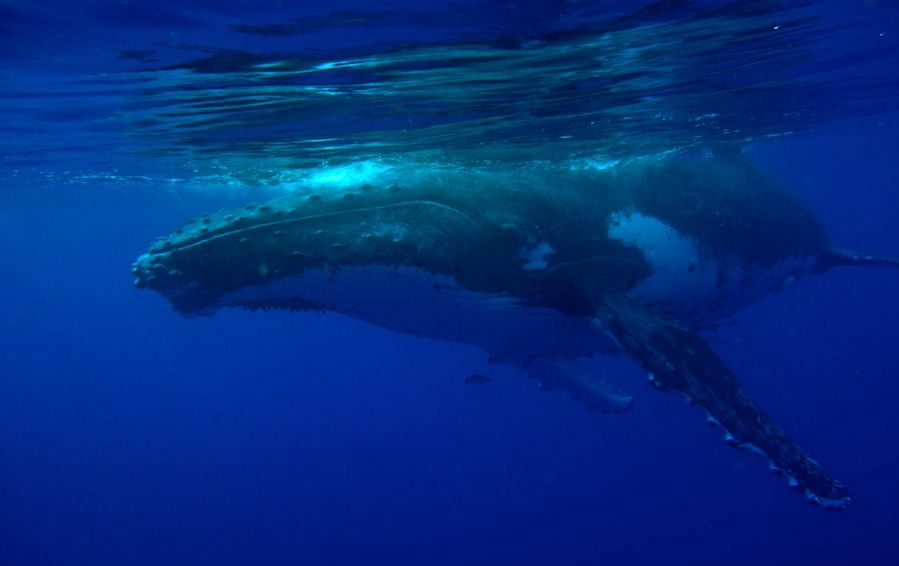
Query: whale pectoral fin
<point x="677" y="358"/>
<point x="583" y="385"/>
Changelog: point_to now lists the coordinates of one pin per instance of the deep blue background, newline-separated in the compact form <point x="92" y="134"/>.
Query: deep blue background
<point x="129" y="435"/>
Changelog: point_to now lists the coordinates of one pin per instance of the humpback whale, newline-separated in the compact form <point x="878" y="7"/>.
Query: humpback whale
<point x="541" y="266"/>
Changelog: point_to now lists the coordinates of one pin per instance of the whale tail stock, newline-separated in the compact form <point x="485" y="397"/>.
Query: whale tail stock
<point x="842" y="258"/>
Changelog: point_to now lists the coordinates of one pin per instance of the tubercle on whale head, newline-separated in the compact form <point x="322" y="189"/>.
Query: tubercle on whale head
<point x="196" y="264"/>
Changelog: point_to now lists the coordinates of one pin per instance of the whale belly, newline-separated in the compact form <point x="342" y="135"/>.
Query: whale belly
<point x="413" y="301"/>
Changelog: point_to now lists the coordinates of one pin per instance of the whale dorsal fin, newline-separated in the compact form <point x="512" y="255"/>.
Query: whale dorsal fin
<point x="678" y="359"/>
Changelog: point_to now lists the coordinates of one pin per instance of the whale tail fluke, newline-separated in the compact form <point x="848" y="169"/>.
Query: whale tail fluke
<point x="842" y="258"/>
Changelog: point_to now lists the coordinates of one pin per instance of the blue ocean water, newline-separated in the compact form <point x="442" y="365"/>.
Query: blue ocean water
<point x="130" y="435"/>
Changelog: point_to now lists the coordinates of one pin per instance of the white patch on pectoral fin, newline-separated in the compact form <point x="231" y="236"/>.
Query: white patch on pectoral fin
<point x="688" y="282"/>
<point x="571" y="376"/>
<point x="680" y="274"/>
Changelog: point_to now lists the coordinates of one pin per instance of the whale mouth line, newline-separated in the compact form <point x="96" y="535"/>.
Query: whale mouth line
<point x="286" y="221"/>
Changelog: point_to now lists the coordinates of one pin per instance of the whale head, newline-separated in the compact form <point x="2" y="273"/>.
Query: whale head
<point x="284" y="253"/>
